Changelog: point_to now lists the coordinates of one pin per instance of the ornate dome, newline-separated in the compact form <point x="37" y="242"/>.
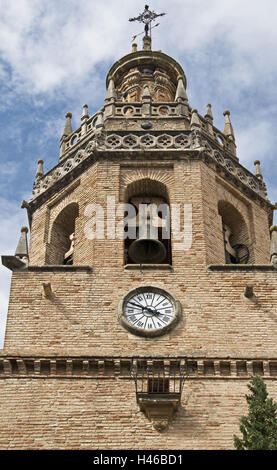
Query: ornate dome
<point x="152" y="69"/>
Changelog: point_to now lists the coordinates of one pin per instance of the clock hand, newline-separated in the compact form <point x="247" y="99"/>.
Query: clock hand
<point x="155" y="312"/>
<point x="151" y="310"/>
<point x="136" y="305"/>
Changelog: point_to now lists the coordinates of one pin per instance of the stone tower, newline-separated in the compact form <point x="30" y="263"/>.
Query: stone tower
<point x="147" y="297"/>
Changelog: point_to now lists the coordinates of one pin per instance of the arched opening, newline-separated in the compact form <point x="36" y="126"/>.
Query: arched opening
<point x="234" y="233"/>
<point x="147" y="223"/>
<point x="63" y="236"/>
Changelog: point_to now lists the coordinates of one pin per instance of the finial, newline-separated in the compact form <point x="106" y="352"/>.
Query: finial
<point x="181" y="94"/>
<point x="273" y="248"/>
<point x="209" y="114"/>
<point x="22" y="246"/>
<point x="67" y="131"/>
<point x="181" y="98"/>
<point x="111" y="93"/>
<point x="67" y="128"/>
<point x="195" y="121"/>
<point x="228" y="128"/>
<point x="228" y="131"/>
<point x="110" y="100"/>
<point x="85" y="112"/>
<point x="84" y="119"/>
<point x="209" y="119"/>
<point x="258" y="171"/>
<point x="99" y="122"/>
<point x="40" y="172"/>
<point x="134" y="47"/>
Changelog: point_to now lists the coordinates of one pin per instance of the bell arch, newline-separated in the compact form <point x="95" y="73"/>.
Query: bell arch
<point x="149" y="221"/>
<point x="235" y="234"/>
<point x="61" y="247"/>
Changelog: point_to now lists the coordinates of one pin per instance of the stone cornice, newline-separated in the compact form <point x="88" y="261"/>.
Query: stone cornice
<point x="168" y="146"/>
<point x="241" y="267"/>
<point x="16" y="265"/>
<point x="109" y="367"/>
<point x="60" y="268"/>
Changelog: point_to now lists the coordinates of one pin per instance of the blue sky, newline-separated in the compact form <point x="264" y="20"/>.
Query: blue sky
<point x="54" y="57"/>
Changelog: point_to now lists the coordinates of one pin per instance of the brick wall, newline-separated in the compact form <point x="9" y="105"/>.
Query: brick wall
<point x="81" y="317"/>
<point x="103" y="414"/>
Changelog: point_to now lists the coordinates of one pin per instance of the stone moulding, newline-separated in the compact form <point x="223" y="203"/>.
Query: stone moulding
<point x="170" y="144"/>
<point x="109" y="367"/>
<point x="59" y="267"/>
<point x="158" y="409"/>
<point x="148" y="267"/>
<point x="14" y="264"/>
<point x="241" y="267"/>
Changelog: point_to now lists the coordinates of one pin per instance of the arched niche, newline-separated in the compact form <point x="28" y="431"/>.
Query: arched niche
<point x="235" y="234"/>
<point x="151" y="244"/>
<point x="61" y="249"/>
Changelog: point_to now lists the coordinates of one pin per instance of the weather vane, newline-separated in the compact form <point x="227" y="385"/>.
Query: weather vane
<point x="147" y="17"/>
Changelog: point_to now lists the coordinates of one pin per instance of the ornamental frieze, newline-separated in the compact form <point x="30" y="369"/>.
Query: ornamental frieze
<point x="192" y="140"/>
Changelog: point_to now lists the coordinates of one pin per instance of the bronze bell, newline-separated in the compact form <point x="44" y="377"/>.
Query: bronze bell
<point x="147" y="248"/>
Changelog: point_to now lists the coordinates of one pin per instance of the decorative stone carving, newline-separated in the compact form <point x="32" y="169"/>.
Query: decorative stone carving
<point x="114" y="141"/>
<point x="148" y="140"/>
<point x="130" y="141"/>
<point x="159" y="409"/>
<point x="234" y="168"/>
<point x="100" y="138"/>
<point x="165" y="141"/>
<point x="80" y="155"/>
<point x="184" y="140"/>
<point x="47" y="290"/>
<point x="196" y="139"/>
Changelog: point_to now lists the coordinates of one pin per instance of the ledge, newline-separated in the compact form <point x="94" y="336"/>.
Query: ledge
<point x="109" y="367"/>
<point x="59" y="267"/>
<point x="241" y="267"/>
<point x="13" y="263"/>
<point x="148" y="267"/>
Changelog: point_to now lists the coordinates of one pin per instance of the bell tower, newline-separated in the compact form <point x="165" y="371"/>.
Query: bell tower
<point x="146" y="297"/>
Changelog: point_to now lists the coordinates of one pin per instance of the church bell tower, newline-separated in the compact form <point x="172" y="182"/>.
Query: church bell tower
<point x="146" y="297"/>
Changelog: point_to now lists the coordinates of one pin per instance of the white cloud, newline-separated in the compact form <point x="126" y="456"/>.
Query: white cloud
<point x="8" y="168"/>
<point x="55" y="43"/>
<point x="254" y="141"/>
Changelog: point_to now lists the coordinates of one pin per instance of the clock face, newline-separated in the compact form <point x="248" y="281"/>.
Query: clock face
<point x="149" y="311"/>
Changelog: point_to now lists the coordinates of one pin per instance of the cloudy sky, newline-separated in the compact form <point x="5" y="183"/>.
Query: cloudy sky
<point x="55" y="54"/>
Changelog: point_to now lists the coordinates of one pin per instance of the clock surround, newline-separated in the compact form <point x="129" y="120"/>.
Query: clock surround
<point x="149" y="311"/>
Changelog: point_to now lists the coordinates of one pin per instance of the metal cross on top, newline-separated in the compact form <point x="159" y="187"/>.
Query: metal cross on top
<point x="146" y="17"/>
